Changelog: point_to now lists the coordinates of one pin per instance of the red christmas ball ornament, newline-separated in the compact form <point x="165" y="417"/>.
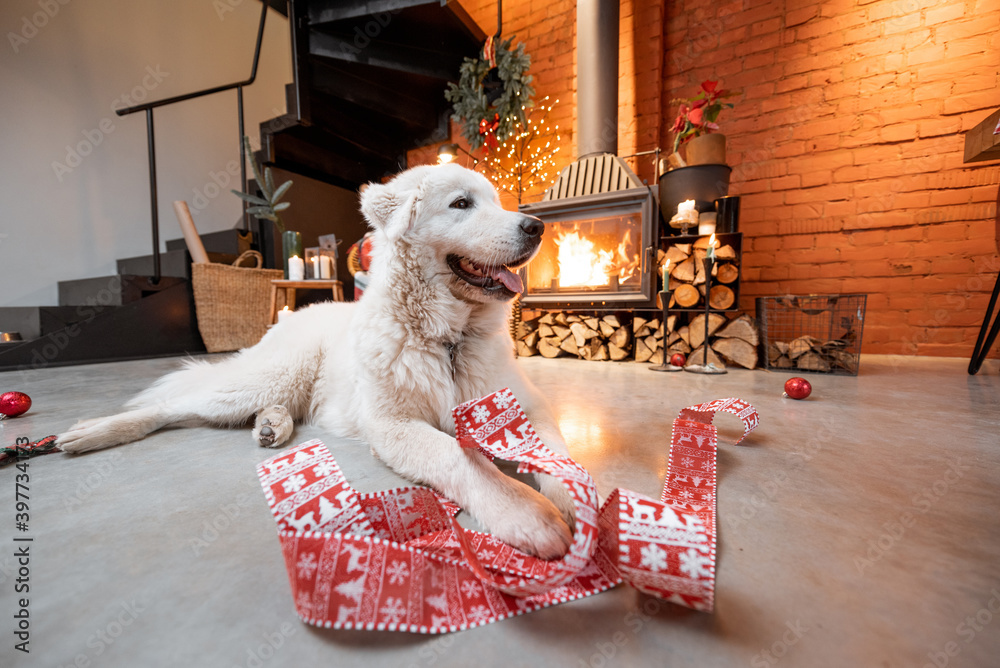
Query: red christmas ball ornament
<point x="13" y="404"/>
<point x="797" y="388"/>
<point x="678" y="359"/>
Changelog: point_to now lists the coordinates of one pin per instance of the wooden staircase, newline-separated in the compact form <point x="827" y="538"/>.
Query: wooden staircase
<point x="369" y="82"/>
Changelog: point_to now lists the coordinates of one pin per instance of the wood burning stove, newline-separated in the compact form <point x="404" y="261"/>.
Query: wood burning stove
<point x="598" y="251"/>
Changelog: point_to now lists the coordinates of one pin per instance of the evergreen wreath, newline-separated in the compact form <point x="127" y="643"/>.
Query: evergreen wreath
<point x="491" y="94"/>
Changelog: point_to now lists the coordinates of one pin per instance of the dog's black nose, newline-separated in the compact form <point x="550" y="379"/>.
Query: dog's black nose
<point x="532" y="226"/>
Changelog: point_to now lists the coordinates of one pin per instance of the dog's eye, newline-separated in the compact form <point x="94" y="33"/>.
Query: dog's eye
<point x="461" y="203"/>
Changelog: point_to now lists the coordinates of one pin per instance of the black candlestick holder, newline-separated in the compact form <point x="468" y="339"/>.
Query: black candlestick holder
<point x="705" y="366"/>
<point x="666" y="365"/>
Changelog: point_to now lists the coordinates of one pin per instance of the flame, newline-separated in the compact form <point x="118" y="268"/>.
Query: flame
<point x="583" y="265"/>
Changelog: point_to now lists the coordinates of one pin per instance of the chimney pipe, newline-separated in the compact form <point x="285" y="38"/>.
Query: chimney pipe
<point x="597" y="77"/>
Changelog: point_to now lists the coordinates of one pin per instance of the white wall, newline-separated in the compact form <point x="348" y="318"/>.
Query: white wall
<point x="64" y="65"/>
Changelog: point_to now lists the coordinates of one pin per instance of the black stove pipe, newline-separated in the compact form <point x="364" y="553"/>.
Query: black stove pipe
<point x="597" y="77"/>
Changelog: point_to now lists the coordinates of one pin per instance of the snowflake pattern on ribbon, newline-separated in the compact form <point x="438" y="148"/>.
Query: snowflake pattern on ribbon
<point x="397" y="560"/>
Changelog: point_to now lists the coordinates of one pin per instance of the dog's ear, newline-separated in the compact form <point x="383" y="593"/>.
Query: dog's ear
<point x="388" y="210"/>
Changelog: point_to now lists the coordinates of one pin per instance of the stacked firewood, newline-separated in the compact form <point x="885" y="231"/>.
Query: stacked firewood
<point x="811" y="354"/>
<point x="643" y="340"/>
<point x="587" y="337"/>
<point x="687" y="275"/>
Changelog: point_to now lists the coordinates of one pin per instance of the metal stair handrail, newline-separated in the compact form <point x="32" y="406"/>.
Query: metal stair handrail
<point x="151" y="141"/>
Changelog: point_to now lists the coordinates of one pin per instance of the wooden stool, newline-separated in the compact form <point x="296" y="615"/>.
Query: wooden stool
<point x="288" y="288"/>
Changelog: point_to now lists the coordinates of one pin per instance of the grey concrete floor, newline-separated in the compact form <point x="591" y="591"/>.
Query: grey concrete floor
<point x="860" y="527"/>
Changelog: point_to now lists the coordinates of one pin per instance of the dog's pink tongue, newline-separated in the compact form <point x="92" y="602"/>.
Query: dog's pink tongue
<point x="511" y="280"/>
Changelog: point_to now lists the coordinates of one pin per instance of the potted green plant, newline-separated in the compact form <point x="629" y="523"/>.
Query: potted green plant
<point x="269" y="206"/>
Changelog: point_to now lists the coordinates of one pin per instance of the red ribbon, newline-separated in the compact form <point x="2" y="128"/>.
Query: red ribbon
<point x="397" y="560"/>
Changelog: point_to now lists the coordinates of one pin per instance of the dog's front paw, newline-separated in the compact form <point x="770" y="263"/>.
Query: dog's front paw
<point x="557" y="493"/>
<point x="534" y="525"/>
<point x="93" y="434"/>
<point x="272" y="427"/>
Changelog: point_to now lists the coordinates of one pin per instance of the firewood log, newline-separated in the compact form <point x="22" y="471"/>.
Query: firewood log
<point x="657" y="357"/>
<point x="581" y="333"/>
<point x="721" y="297"/>
<point x="685" y="334"/>
<point x="524" y="350"/>
<point x="654" y="325"/>
<point x="642" y="332"/>
<point x="686" y="295"/>
<point x="612" y="320"/>
<point x="561" y="319"/>
<point x="591" y="323"/>
<point x="702" y="243"/>
<point x="573" y="318"/>
<point x="727" y="273"/>
<point x="783" y="363"/>
<point x="569" y="345"/>
<point x="811" y="361"/>
<point x="782" y="347"/>
<point x="531" y="340"/>
<point x="615" y="353"/>
<point x="697" y="356"/>
<point x="727" y="252"/>
<point x="736" y="350"/>
<point x="773" y="353"/>
<point x="621" y="338"/>
<point x="679" y="346"/>
<point x="742" y="328"/>
<point x="599" y="354"/>
<point x="675" y="254"/>
<point x="547" y="319"/>
<point x="545" y="331"/>
<point x="697" y="327"/>
<point x="672" y="338"/>
<point x="549" y="347"/>
<point x="671" y="322"/>
<point x="642" y="351"/>
<point x="606" y="329"/>
<point x="561" y="331"/>
<point x="684" y="271"/>
<point x="684" y="248"/>
<point x="638" y="323"/>
<point x="799" y="347"/>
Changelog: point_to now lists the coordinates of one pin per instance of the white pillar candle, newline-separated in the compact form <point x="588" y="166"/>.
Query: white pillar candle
<point x="296" y="268"/>
<point x="314" y="262"/>
<point x="283" y="313"/>
<point x="706" y="223"/>
<point x="686" y="205"/>
<point x="324" y="266"/>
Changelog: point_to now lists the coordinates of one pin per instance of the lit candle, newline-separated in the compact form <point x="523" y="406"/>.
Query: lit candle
<point x="283" y="313"/>
<point x="711" y="247"/>
<point x="325" y="264"/>
<point x="706" y="223"/>
<point x="296" y="268"/>
<point x="666" y="274"/>
<point x="314" y="261"/>
<point x="686" y="205"/>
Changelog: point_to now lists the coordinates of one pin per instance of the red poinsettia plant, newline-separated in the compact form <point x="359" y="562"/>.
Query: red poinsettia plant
<point x="698" y="115"/>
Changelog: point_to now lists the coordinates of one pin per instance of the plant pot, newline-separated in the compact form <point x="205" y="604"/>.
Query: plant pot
<point x="707" y="149"/>
<point x="702" y="183"/>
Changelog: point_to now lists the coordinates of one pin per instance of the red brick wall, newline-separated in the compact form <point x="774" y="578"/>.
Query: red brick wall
<point x="846" y="142"/>
<point x="846" y="147"/>
<point x="548" y="30"/>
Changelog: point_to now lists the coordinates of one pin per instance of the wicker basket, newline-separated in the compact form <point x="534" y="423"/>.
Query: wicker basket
<point x="232" y="302"/>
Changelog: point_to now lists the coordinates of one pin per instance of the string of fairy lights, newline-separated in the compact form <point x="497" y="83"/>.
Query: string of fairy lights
<point x="526" y="159"/>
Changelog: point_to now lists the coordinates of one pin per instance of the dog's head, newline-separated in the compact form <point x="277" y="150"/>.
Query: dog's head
<point x="451" y="219"/>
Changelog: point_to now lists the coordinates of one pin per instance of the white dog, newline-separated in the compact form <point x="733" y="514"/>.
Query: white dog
<point x="430" y="333"/>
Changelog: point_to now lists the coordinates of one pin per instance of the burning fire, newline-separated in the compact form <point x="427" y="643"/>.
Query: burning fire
<point x="581" y="264"/>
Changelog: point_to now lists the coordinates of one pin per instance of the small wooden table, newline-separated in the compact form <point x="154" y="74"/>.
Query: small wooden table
<point x="288" y="288"/>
